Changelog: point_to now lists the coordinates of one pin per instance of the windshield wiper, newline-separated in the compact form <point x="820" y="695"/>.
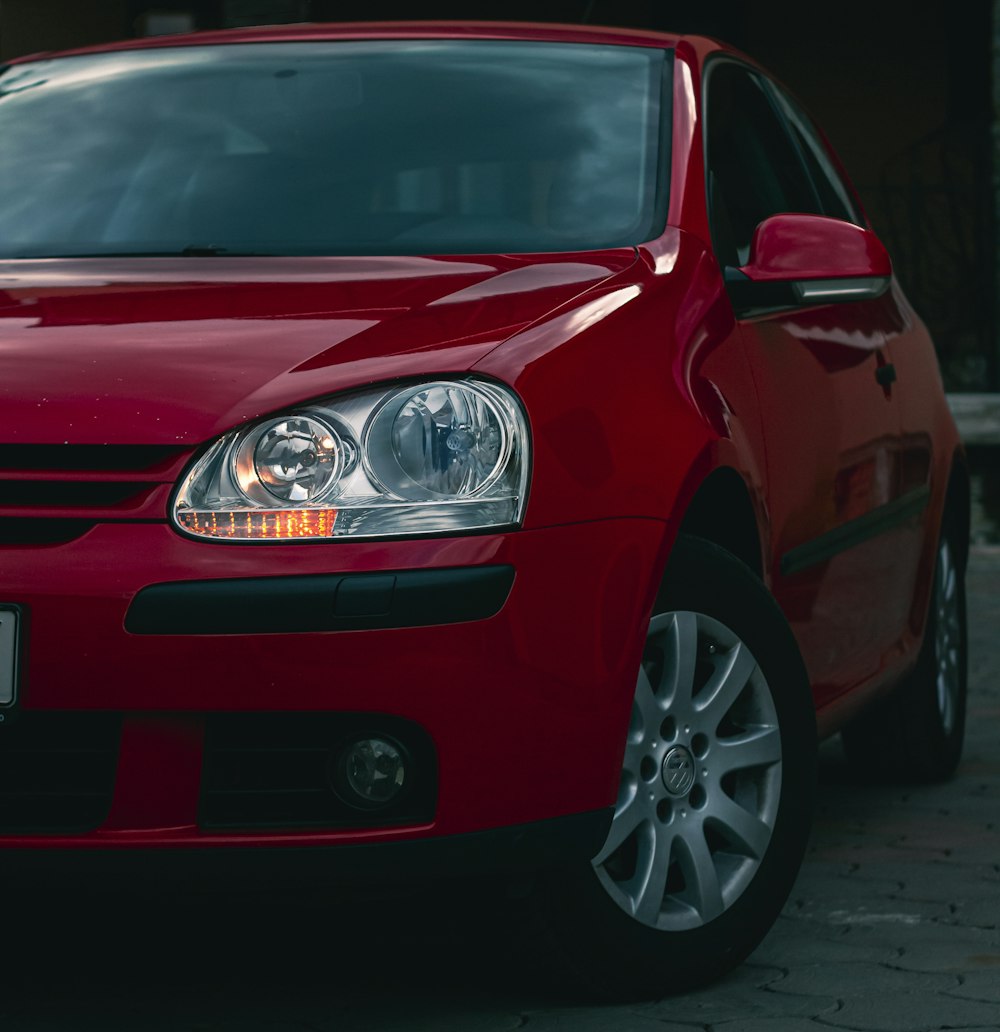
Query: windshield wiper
<point x="211" y="251"/>
<point x="191" y="251"/>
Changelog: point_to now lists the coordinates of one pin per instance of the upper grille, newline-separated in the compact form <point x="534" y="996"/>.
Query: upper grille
<point x="16" y="494"/>
<point x="94" y="458"/>
<point x="66" y="489"/>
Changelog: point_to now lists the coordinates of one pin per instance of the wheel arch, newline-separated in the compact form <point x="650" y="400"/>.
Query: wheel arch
<point x="722" y="511"/>
<point x="958" y="504"/>
<point x="952" y="513"/>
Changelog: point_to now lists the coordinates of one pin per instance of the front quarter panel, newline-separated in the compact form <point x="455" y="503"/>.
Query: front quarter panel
<point x="632" y="389"/>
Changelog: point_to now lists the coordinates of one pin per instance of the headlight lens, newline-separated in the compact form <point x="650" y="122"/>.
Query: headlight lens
<point x="438" y="457"/>
<point x="296" y="459"/>
<point x="446" y="440"/>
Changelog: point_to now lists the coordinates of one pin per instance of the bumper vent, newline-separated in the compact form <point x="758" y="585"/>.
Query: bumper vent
<point x="274" y="770"/>
<point x="57" y="771"/>
<point x="67" y="489"/>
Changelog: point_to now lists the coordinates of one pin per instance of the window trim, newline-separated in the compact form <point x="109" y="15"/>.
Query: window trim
<point x="715" y="61"/>
<point x="794" y="115"/>
<point x="777" y="297"/>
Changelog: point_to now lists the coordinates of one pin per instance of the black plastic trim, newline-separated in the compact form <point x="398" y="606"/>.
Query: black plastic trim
<point x="855" y="531"/>
<point x="97" y="458"/>
<point x="327" y="602"/>
<point x="8" y="707"/>
<point x="277" y="771"/>
<point x="57" y="770"/>
<point x="69" y="494"/>
<point x="16" y="532"/>
<point x="751" y="298"/>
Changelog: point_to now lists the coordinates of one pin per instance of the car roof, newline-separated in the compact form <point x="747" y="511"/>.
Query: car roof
<point x="301" y="32"/>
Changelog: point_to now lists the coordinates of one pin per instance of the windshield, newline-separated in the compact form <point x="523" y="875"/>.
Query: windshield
<point x="377" y="147"/>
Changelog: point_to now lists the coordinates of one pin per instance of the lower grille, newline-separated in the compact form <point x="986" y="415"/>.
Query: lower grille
<point x="273" y="770"/>
<point x="57" y="771"/>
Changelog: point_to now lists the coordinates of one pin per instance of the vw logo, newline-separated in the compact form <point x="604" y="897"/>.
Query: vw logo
<point x="678" y="771"/>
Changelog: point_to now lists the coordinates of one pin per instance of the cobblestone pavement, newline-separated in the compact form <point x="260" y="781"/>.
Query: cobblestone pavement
<point x="892" y="925"/>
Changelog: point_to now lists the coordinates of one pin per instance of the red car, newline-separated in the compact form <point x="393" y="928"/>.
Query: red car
<point x="460" y="447"/>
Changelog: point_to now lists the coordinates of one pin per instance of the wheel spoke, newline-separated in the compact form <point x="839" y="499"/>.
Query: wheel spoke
<point x="946" y="571"/>
<point x="944" y="700"/>
<point x="648" y="709"/>
<point x="728" y="682"/>
<point x="680" y="633"/>
<point x="701" y="879"/>
<point x="746" y="833"/>
<point x="624" y="823"/>
<point x="635" y="749"/>
<point x="760" y="747"/>
<point x="652" y="884"/>
<point x="643" y="686"/>
<point x="947" y="637"/>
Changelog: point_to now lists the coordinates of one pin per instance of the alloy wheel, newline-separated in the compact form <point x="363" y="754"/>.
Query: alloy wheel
<point x="701" y="777"/>
<point x="947" y="636"/>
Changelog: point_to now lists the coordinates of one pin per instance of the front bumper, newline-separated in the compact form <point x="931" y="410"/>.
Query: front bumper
<point x="512" y="850"/>
<point x="526" y="708"/>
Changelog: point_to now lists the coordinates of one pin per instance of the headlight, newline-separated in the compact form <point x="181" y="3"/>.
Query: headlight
<point x="298" y="459"/>
<point x="440" y="457"/>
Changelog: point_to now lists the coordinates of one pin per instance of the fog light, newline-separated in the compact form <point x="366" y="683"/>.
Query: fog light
<point x="370" y="772"/>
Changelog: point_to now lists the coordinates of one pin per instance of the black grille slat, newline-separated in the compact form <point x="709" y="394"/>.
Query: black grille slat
<point x="57" y="771"/>
<point x="31" y="531"/>
<point x="69" y="494"/>
<point x="75" y="487"/>
<point x="265" y="810"/>
<point x="63" y="815"/>
<point x="271" y="770"/>
<point x="269" y="791"/>
<point x="53" y="794"/>
<point x="77" y="458"/>
<point x="53" y="770"/>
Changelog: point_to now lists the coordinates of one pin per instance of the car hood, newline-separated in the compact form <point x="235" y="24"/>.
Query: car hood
<point x="175" y="351"/>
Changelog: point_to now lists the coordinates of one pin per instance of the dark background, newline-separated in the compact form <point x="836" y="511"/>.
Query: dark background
<point x="902" y="88"/>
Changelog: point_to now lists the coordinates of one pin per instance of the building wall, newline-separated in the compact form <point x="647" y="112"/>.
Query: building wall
<point x="27" y="26"/>
<point x="902" y="88"/>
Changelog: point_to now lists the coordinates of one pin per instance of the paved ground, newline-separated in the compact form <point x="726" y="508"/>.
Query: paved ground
<point x="893" y="925"/>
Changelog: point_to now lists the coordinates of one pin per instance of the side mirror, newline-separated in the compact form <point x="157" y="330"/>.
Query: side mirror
<point x="809" y="259"/>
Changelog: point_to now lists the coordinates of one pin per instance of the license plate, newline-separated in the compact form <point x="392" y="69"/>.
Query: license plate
<point x="8" y="656"/>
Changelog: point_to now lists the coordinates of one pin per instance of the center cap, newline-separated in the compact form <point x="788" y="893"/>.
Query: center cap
<point x="678" y="771"/>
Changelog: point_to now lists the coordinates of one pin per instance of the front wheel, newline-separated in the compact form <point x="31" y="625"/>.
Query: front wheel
<point x="715" y="796"/>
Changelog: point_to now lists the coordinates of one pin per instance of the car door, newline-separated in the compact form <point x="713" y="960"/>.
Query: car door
<point x="824" y="381"/>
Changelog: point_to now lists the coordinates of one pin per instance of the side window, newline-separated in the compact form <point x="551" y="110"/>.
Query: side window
<point x="754" y="168"/>
<point x="833" y="193"/>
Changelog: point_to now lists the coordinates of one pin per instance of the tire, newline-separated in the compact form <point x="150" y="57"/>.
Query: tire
<point x="716" y="793"/>
<point x="916" y="735"/>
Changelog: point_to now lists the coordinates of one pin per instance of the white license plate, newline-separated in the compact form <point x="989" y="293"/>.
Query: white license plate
<point x="8" y="656"/>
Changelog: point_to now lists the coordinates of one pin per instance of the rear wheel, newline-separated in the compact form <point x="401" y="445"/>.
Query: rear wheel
<point x="917" y="733"/>
<point x="715" y="795"/>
